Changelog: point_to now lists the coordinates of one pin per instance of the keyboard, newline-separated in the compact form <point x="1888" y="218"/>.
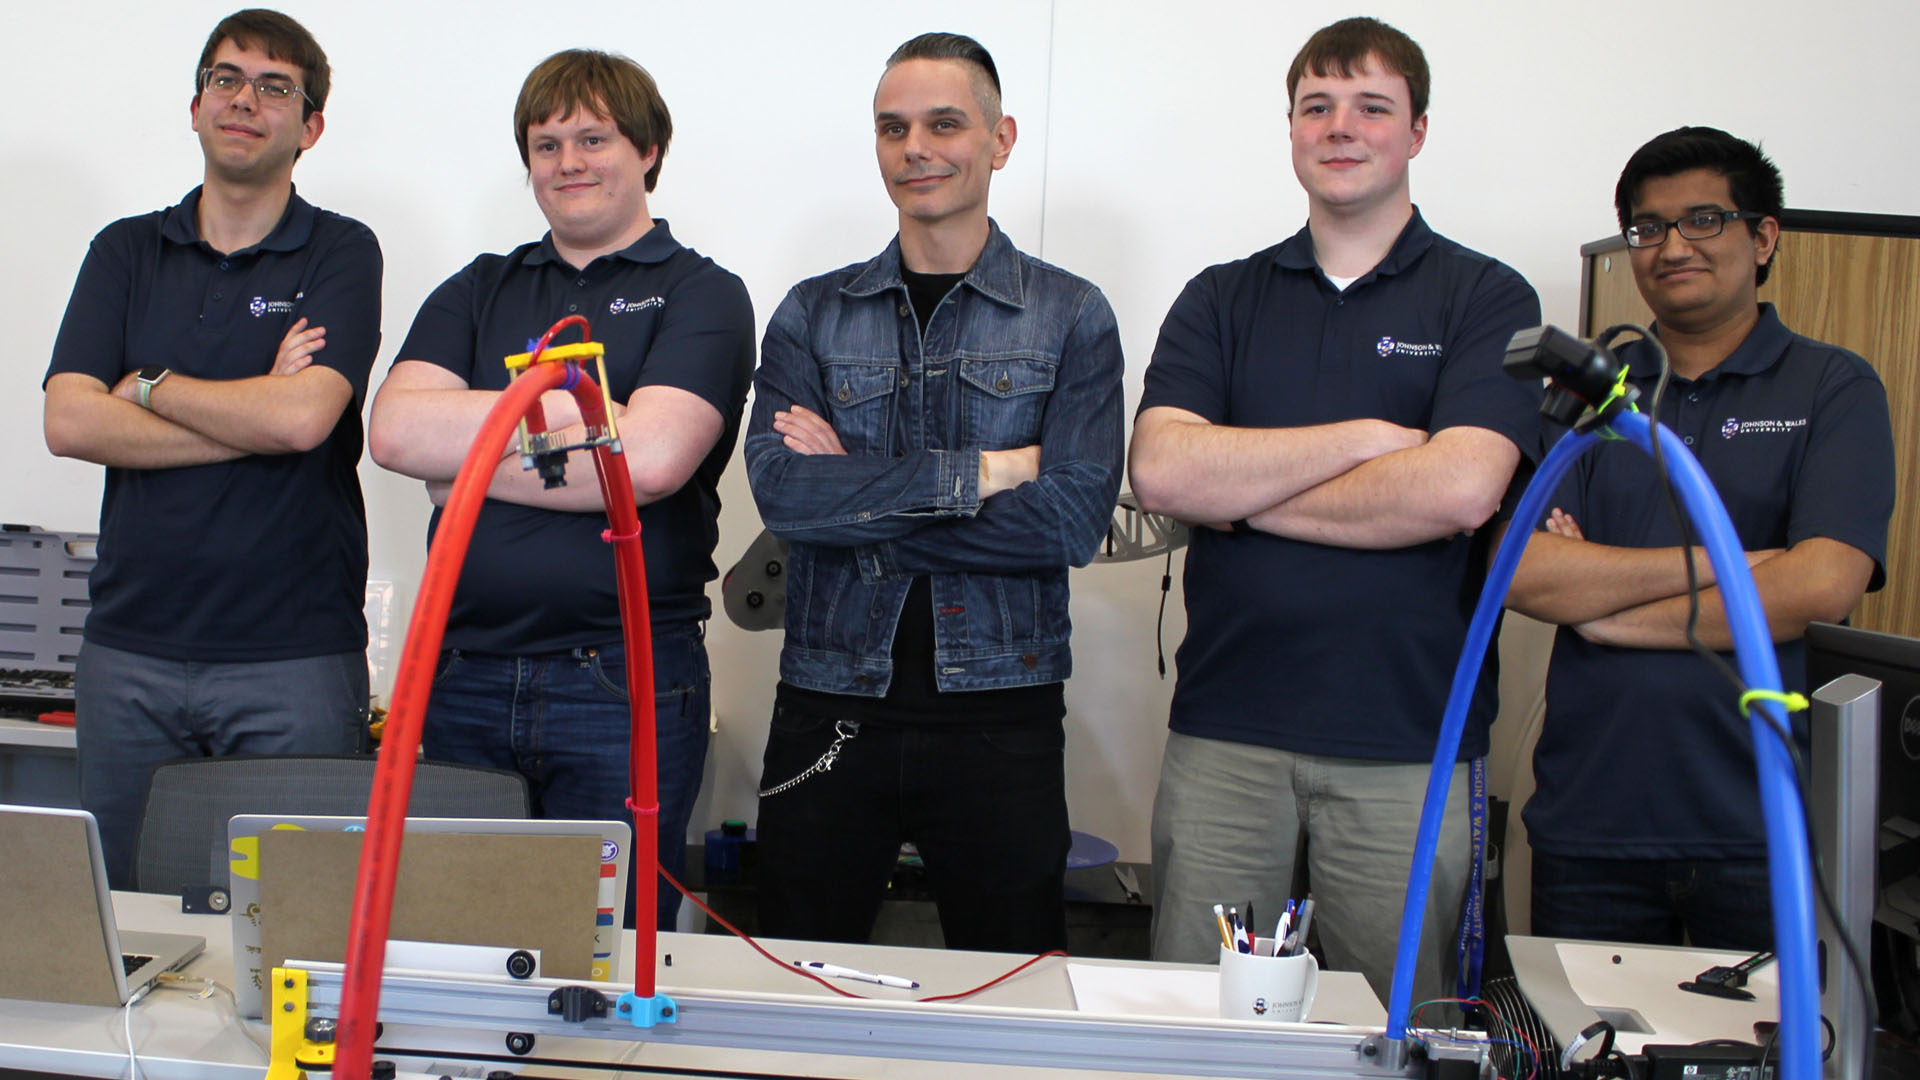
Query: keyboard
<point x="132" y="961"/>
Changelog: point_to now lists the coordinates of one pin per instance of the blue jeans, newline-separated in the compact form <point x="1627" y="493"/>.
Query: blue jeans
<point x="1712" y="903"/>
<point x="136" y="711"/>
<point x="561" y="720"/>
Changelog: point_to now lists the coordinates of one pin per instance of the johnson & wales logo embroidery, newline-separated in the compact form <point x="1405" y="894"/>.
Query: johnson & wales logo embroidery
<point x="1386" y="346"/>
<point x="260" y="305"/>
<point x="1759" y="427"/>
<point x="620" y="306"/>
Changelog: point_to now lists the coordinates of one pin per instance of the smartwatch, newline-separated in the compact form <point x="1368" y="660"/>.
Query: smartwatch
<point x="149" y="377"/>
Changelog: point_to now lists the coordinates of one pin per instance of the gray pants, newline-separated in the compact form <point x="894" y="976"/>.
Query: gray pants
<point x="136" y="711"/>
<point x="1226" y="825"/>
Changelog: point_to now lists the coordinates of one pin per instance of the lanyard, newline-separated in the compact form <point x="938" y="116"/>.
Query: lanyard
<point x="1473" y="932"/>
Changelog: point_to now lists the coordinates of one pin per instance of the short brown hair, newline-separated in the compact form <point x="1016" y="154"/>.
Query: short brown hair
<point x="1341" y="48"/>
<point x="604" y="83"/>
<point x="281" y="38"/>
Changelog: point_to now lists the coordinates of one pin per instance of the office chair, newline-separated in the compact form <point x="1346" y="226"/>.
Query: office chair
<point x="183" y="831"/>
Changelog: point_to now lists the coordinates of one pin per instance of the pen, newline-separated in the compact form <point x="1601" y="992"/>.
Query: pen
<point x="835" y="971"/>
<point x="1306" y="921"/>
<point x="1286" y="920"/>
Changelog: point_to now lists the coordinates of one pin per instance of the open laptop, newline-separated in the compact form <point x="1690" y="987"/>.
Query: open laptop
<point x="56" y="916"/>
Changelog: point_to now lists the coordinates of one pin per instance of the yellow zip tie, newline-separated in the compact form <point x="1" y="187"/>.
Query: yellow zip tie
<point x="1791" y="702"/>
<point x="1619" y="391"/>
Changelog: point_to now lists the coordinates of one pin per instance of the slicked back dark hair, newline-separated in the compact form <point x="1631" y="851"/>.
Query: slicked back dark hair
<point x="600" y="82"/>
<point x="1752" y="178"/>
<point x="281" y="38"/>
<point x="1340" y="49"/>
<point x="945" y="46"/>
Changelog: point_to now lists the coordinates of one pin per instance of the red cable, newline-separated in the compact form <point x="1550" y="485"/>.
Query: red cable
<point x="413" y="684"/>
<point x="793" y="969"/>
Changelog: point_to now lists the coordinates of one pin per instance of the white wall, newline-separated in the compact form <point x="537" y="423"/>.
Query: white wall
<point x="1152" y="143"/>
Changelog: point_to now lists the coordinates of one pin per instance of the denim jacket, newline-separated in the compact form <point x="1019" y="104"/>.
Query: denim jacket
<point x="1018" y="353"/>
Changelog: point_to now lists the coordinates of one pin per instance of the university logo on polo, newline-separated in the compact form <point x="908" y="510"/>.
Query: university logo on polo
<point x="260" y="305"/>
<point x="622" y="306"/>
<point x="1386" y="346"/>
<point x="1735" y="426"/>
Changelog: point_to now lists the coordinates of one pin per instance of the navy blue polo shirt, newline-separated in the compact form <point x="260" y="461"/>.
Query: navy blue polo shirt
<point x="1644" y="754"/>
<point x="1304" y="646"/>
<point x="259" y="558"/>
<point x="540" y="580"/>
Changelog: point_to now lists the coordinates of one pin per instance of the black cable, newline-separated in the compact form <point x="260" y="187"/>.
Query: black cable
<point x="594" y="1066"/>
<point x="1680" y="519"/>
<point x="1160" y="621"/>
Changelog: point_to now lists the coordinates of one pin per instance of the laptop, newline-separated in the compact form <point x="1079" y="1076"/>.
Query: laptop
<point x="56" y="916"/>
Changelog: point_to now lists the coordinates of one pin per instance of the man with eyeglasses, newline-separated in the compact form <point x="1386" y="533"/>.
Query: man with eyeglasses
<point x="533" y="676"/>
<point x="213" y="357"/>
<point x="1645" y="824"/>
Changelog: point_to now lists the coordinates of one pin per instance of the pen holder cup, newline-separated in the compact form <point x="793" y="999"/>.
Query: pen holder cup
<point x="1262" y="986"/>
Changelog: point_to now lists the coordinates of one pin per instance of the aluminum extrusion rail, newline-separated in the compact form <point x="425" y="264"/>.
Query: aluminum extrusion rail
<point x="885" y="1029"/>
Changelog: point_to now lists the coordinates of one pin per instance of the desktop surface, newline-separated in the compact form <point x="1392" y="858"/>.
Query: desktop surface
<point x="180" y="1037"/>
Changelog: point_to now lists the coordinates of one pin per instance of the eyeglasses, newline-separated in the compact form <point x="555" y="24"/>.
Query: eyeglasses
<point x="269" y="89"/>
<point x="1699" y="225"/>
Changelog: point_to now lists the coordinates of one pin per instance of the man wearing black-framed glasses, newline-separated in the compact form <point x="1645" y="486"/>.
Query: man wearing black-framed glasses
<point x="1646" y="823"/>
<point x="214" y="357"/>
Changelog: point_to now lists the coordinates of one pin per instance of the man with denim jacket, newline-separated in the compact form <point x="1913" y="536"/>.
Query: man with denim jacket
<point x="937" y="435"/>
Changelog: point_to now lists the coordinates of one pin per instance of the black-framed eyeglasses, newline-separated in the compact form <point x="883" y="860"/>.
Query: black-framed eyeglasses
<point x="1699" y="225"/>
<point x="269" y="89"/>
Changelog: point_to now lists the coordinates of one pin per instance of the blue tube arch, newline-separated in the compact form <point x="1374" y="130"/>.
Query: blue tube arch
<point x="1789" y="867"/>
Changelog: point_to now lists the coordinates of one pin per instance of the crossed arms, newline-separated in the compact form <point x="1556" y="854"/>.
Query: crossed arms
<point x="425" y="418"/>
<point x="986" y="509"/>
<point x="1356" y="483"/>
<point x="289" y="410"/>
<point x="1637" y="597"/>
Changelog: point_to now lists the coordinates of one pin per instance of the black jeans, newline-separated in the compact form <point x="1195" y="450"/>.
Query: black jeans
<point x="986" y="806"/>
<point x="1712" y="903"/>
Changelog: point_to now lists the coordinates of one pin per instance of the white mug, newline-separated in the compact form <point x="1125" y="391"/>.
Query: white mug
<point x="1262" y="986"/>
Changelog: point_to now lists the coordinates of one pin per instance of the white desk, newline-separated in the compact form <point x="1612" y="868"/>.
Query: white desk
<point x="180" y="1038"/>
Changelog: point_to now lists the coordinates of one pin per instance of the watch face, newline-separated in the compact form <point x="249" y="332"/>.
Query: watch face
<point x="152" y="373"/>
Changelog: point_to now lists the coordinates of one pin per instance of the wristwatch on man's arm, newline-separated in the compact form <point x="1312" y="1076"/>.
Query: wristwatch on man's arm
<point x="149" y="377"/>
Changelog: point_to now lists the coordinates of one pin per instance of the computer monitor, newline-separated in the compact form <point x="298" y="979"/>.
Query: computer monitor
<point x="1893" y="661"/>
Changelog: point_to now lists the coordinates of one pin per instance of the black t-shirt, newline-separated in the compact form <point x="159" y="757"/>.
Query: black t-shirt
<point x="914" y="697"/>
<point x="263" y="557"/>
<point x="539" y="580"/>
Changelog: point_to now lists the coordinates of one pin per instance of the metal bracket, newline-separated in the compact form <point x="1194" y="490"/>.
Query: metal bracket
<point x="292" y="1047"/>
<point x="1136" y="534"/>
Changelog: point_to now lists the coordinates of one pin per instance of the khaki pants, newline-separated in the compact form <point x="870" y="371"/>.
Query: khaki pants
<point x="1226" y="825"/>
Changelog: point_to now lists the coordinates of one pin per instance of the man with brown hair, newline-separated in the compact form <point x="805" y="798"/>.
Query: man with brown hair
<point x="213" y="357"/>
<point x="1338" y="399"/>
<point x="533" y="676"/>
